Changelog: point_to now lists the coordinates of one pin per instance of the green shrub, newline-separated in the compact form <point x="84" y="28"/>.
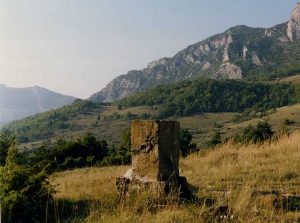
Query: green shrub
<point x="256" y="134"/>
<point x="62" y="154"/>
<point x="24" y="191"/>
<point x="216" y="139"/>
<point x="186" y="145"/>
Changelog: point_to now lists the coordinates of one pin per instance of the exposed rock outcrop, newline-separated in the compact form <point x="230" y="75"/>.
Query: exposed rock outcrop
<point x="293" y="27"/>
<point x="228" y="71"/>
<point x="237" y="53"/>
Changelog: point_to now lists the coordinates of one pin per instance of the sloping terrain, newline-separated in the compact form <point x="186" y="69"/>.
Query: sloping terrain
<point x="239" y="53"/>
<point x="203" y="106"/>
<point x="188" y="97"/>
<point x="107" y="122"/>
<point x="17" y="103"/>
<point x="244" y="181"/>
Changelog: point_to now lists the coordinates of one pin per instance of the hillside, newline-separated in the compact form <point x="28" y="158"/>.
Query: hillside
<point x="107" y="121"/>
<point x="240" y="52"/>
<point x="245" y="180"/>
<point x="17" y="103"/>
<point x="188" y="97"/>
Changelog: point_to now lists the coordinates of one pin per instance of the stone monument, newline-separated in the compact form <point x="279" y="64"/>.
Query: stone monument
<point x="155" y="158"/>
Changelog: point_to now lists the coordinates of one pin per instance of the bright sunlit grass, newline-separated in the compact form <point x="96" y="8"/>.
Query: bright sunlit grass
<point x="231" y="174"/>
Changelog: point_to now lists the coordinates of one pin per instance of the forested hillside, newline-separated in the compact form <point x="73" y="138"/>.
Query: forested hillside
<point x="196" y="96"/>
<point x="43" y="125"/>
<point x="188" y="101"/>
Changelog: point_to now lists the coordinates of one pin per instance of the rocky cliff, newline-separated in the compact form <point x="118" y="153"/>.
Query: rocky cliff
<point x="239" y="53"/>
<point x="293" y="27"/>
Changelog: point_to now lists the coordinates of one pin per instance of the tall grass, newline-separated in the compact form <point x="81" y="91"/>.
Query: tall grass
<point x="225" y="180"/>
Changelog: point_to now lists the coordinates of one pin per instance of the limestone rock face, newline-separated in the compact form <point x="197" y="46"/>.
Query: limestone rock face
<point x="293" y="27"/>
<point x="158" y="62"/>
<point x="237" y="53"/>
<point x="228" y="71"/>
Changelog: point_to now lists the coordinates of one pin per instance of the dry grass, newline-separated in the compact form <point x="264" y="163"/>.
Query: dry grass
<point x="295" y="79"/>
<point x="88" y="183"/>
<point x="266" y="165"/>
<point x="230" y="174"/>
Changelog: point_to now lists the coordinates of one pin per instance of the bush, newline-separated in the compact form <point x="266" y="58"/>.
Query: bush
<point x="24" y="191"/>
<point x="186" y="145"/>
<point x="216" y="139"/>
<point x="122" y="154"/>
<point x="6" y="140"/>
<point x="288" y="122"/>
<point x="63" y="154"/>
<point x="261" y="132"/>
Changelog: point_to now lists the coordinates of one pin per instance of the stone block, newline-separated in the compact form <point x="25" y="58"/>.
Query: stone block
<point x="155" y="149"/>
<point x="155" y="160"/>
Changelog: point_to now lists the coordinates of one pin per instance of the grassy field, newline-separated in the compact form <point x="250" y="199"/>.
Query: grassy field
<point x="242" y="178"/>
<point x="202" y="126"/>
<point x="295" y="79"/>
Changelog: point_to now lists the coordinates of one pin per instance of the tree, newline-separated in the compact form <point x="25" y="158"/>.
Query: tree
<point x="7" y="139"/>
<point x="126" y="139"/>
<point x="129" y="115"/>
<point x="24" y="191"/>
<point x="216" y="139"/>
<point x="256" y="134"/>
<point x="125" y="146"/>
<point x="186" y="145"/>
<point x="263" y="132"/>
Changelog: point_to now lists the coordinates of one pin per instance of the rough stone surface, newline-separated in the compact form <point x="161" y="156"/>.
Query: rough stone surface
<point x="124" y="185"/>
<point x="228" y="71"/>
<point x="215" y="57"/>
<point x="255" y="59"/>
<point x="293" y="27"/>
<point x="155" y="159"/>
<point x="155" y="148"/>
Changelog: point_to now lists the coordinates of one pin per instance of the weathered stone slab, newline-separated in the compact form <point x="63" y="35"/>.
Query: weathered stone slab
<point x="155" y="160"/>
<point x="155" y="148"/>
<point x="124" y="185"/>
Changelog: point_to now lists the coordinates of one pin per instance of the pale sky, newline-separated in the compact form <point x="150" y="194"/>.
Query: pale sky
<point x="76" y="47"/>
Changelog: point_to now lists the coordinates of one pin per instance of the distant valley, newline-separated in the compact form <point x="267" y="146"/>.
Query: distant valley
<point x="211" y="134"/>
<point x="242" y="72"/>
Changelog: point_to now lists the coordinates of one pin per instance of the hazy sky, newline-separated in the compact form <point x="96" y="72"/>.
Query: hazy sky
<point x="77" y="46"/>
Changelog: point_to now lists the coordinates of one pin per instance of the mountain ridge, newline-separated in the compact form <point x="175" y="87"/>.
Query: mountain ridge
<point x="241" y="52"/>
<point x="17" y="103"/>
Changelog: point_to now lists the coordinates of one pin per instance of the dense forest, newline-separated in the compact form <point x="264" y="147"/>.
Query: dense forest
<point x="195" y="96"/>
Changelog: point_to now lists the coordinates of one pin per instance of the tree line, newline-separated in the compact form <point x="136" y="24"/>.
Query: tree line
<point x="188" y="97"/>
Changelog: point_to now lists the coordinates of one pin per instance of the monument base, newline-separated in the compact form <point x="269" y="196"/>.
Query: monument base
<point x="178" y="187"/>
<point x="155" y="149"/>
